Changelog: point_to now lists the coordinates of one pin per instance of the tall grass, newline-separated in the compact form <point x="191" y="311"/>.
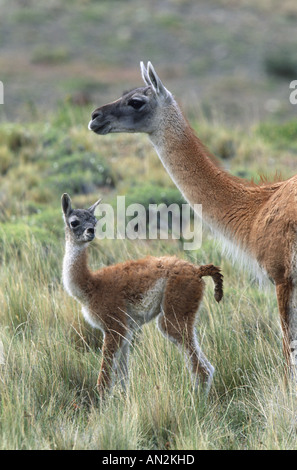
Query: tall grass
<point x="51" y="360"/>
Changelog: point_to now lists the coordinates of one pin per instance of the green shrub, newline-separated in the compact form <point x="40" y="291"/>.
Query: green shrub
<point x="6" y="159"/>
<point x="50" y="219"/>
<point x="16" y="138"/>
<point x="15" y="235"/>
<point x="153" y="194"/>
<point x="282" y="61"/>
<point x="278" y="134"/>
<point x="79" y="173"/>
<point x="148" y="194"/>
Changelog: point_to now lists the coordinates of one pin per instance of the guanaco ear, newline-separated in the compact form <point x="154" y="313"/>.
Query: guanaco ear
<point x="151" y="78"/>
<point x="144" y="74"/>
<point x="93" y="207"/>
<point x="66" y="204"/>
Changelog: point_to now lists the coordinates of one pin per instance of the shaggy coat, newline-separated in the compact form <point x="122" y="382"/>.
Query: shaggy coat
<point x="119" y="299"/>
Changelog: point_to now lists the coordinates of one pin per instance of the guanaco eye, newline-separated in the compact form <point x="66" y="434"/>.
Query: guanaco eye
<point x="74" y="223"/>
<point x="136" y="104"/>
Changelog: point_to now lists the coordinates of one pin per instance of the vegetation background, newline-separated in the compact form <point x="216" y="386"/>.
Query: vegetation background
<point x="229" y="64"/>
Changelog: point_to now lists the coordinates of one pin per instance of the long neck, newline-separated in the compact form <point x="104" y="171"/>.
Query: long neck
<point x="228" y="205"/>
<point x="77" y="278"/>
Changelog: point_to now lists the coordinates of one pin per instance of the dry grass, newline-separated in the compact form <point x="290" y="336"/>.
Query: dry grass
<point x="51" y="361"/>
<point x="49" y="358"/>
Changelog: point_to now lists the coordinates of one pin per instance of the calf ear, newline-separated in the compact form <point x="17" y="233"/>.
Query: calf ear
<point x="66" y="204"/>
<point x="93" y="207"/>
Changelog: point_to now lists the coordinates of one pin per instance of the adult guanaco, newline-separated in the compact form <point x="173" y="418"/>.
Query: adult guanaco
<point x="259" y="222"/>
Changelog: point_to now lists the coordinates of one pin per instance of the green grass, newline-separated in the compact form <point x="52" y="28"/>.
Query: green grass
<point x="47" y="387"/>
<point x="51" y="357"/>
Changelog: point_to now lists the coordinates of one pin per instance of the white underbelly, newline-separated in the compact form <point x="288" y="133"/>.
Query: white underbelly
<point x="150" y="304"/>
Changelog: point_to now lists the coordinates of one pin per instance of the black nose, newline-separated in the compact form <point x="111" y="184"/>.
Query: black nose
<point x="95" y="114"/>
<point x="90" y="230"/>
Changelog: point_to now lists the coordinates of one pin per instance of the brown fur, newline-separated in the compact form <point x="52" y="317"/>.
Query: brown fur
<point x="260" y="220"/>
<point x="119" y="299"/>
<point x="112" y="290"/>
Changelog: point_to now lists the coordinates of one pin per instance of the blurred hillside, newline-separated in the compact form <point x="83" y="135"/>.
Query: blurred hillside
<point x="231" y="58"/>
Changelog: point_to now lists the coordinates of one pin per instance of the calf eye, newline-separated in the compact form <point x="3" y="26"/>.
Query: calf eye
<point x="136" y="104"/>
<point x="74" y="223"/>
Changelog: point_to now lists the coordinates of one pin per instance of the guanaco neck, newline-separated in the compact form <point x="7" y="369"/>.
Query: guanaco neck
<point x="77" y="278"/>
<point x="226" y="202"/>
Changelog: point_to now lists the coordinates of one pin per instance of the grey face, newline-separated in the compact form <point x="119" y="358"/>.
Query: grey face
<point x="80" y="223"/>
<point x="133" y="112"/>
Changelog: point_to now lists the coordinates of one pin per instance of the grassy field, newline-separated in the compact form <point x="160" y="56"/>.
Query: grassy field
<point x="229" y="63"/>
<point x="51" y="358"/>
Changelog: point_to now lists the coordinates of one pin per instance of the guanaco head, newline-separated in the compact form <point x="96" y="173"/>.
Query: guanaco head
<point x="136" y="110"/>
<point x="80" y="224"/>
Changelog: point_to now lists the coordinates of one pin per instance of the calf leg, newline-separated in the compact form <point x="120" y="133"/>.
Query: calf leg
<point x="180" y="330"/>
<point x="122" y="359"/>
<point x="111" y="346"/>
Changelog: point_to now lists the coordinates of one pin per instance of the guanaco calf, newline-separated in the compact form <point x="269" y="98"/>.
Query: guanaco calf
<point x="119" y="299"/>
